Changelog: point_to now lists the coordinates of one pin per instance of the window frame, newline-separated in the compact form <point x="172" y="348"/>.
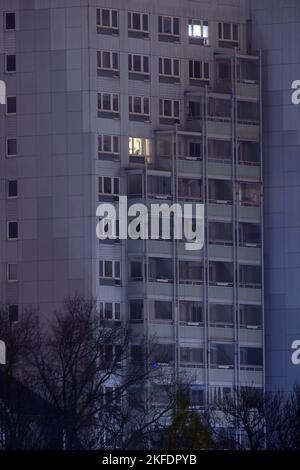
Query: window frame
<point x="114" y="264"/>
<point x="5" y="20"/>
<point x="111" y="60"/>
<point x="112" y="96"/>
<point x="8" y="229"/>
<point x="12" y="272"/>
<point x="161" y="19"/>
<point x="11" y="155"/>
<point x="141" y="15"/>
<point x="204" y="66"/>
<point x="221" y="29"/>
<point x="143" y="101"/>
<point x="15" y="112"/>
<point x="8" y="189"/>
<point x="145" y="142"/>
<point x="202" y="38"/>
<point x="99" y="15"/>
<point x="6" y="59"/>
<point x="113" y="139"/>
<point x="162" y="103"/>
<point x="161" y="67"/>
<point x="114" y="183"/>
<point x="131" y="68"/>
<point x="114" y="311"/>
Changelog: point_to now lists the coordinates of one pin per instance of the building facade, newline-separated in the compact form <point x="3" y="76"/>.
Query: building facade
<point x="276" y="29"/>
<point x="159" y="101"/>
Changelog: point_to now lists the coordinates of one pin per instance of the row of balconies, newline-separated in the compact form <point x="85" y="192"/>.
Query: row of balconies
<point x="215" y="251"/>
<point x="218" y="210"/>
<point x="165" y="330"/>
<point x="191" y="166"/>
<point x="160" y="288"/>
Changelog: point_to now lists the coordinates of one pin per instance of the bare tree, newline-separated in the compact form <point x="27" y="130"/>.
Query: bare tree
<point x="84" y="368"/>
<point x="256" y="420"/>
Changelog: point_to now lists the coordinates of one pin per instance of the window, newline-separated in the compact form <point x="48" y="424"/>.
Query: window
<point x="169" y="109"/>
<point x="168" y="25"/>
<point x="107" y="60"/>
<point x="163" y="310"/>
<point x="196" y="395"/>
<point x="10" y="21"/>
<point x="10" y="63"/>
<point x="109" y="269"/>
<point x="136" y="309"/>
<point x="138" y="63"/>
<point x="222" y="355"/>
<point x="12" y="230"/>
<point x="228" y="34"/>
<point x="139" y="105"/>
<point x="198" y="70"/>
<point x="109" y="185"/>
<point x="168" y="67"/>
<point x="110" y="311"/>
<point x="112" y="353"/>
<point x="139" y="147"/>
<point x="163" y="353"/>
<point x="13" y="313"/>
<point x="108" y="102"/>
<point x="136" y="269"/>
<point x="12" y="272"/>
<point x="12" y="188"/>
<point x="221" y="315"/>
<point x="251" y="357"/>
<point x="108" y="144"/>
<point x="107" y="18"/>
<point x="138" y="22"/>
<point x="250" y="276"/>
<point x="190" y="272"/>
<point x="191" y="356"/>
<point x="198" y="31"/>
<point x="11" y="147"/>
<point x="191" y="312"/>
<point x="11" y="105"/>
<point x="251" y="316"/>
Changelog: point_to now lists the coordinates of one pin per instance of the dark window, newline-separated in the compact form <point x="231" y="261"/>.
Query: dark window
<point x="11" y="105"/>
<point x="13" y="313"/>
<point x="12" y="190"/>
<point x="11" y="147"/>
<point x="11" y="63"/>
<point x="10" y="21"/>
<point x="136" y="310"/>
<point x="12" y="230"/>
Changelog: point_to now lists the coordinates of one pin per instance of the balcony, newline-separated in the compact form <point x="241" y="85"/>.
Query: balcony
<point x="221" y="375"/>
<point x="218" y="128"/>
<point x="191" y="332"/>
<point x="219" y="168"/>
<point x="249" y="172"/>
<point x="250" y="254"/>
<point x="220" y="251"/>
<point x="247" y="89"/>
<point x="251" y="377"/>
<point x="189" y="165"/>
<point x="248" y="131"/>
<point x="251" y="335"/>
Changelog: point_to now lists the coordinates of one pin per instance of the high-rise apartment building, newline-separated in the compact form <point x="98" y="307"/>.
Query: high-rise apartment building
<point x="160" y="101"/>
